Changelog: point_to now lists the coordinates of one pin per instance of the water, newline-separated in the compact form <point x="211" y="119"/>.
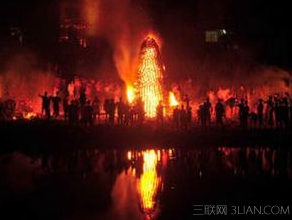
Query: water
<point x="141" y="184"/>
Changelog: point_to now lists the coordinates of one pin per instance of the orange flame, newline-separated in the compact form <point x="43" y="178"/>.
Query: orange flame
<point x="149" y="181"/>
<point x="29" y="115"/>
<point x="172" y="99"/>
<point x="130" y="94"/>
<point x="129" y="155"/>
<point x="150" y="77"/>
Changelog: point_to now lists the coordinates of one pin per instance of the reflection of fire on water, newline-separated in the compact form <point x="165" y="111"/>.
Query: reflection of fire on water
<point x="149" y="182"/>
<point x="136" y="190"/>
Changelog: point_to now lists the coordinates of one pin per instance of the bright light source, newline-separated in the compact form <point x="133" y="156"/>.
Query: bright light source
<point x="150" y="77"/>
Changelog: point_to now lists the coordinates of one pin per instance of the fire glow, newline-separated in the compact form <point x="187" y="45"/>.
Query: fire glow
<point x="149" y="181"/>
<point x="150" y="76"/>
<point x="130" y="94"/>
<point x="172" y="100"/>
<point x="29" y="115"/>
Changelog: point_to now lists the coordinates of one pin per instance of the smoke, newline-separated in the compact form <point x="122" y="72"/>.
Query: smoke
<point x="125" y="200"/>
<point x="195" y="68"/>
<point x="251" y="83"/>
<point x="22" y="80"/>
<point x="91" y="14"/>
<point x="124" y="24"/>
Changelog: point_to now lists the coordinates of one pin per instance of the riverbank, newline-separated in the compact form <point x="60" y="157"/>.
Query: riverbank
<point x="41" y="134"/>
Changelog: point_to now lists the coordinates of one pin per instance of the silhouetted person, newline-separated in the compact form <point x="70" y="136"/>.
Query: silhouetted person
<point x="121" y="111"/>
<point x="285" y="112"/>
<point x="140" y="111"/>
<point x="220" y="112"/>
<point x="260" y="113"/>
<point x="65" y="106"/>
<point x="245" y="115"/>
<point x="175" y="116"/>
<point x="88" y="114"/>
<point x="270" y="111"/>
<point x="96" y="108"/>
<point x="159" y="113"/>
<point x="187" y="100"/>
<point x="254" y="119"/>
<point x="106" y="108"/>
<point x="73" y="113"/>
<point x="241" y="113"/>
<point x="127" y="114"/>
<point x="46" y="104"/>
<point x="82" y="98"/>
<point x="132" y="115"/>
<point x="202" y="115"/>
<point x="207" y="111"/>
<point x="189" y="116"/>
<point x="277" y="111"/>
<point x="112" y="108"/>
<point x="56" y="105"/>
<point x="183" y="117"/>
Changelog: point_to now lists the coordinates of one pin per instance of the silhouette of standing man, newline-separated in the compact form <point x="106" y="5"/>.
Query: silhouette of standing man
<point x="46" y="104"/>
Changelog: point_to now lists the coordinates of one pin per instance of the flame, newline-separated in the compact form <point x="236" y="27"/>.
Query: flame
<point x="130" y="94"/>
<point x="149" y="181"/>
<point x="129" y="155"/>
<point x="29" y="115"/>
<point x="172" y="99"/>
<point x="150" y="77"/>
<point x="158" y="155"/>
<point x="224" y="94"/>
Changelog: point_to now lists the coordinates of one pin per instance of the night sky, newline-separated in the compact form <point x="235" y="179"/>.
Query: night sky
<point x="262" y="26"/>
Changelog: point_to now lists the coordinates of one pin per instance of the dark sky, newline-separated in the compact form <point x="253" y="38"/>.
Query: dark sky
<point x="264" y="25"/>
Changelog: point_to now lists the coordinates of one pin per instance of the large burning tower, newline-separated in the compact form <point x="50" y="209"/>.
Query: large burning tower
<point x="150" y="76"/>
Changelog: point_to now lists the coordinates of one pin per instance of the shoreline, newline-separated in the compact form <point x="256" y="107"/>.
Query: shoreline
<point x="38" y="135"/>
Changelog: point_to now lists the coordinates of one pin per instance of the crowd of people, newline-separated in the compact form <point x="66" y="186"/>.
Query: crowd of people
<point x="275" y="112"/>
<point x="84" y="111"/>
<point x="81" y="110"/>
